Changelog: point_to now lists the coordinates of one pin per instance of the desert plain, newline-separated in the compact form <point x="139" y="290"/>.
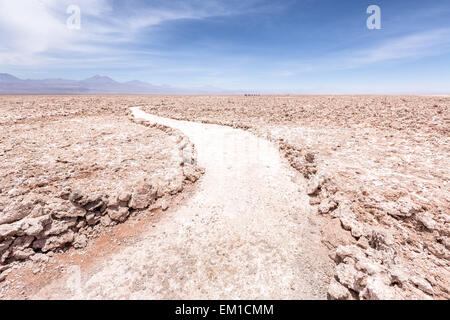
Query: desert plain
<point x="290" y="197"/>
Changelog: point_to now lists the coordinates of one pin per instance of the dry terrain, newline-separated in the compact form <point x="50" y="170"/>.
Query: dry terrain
<point x="378" y="167"/>
<point x="72" y="168"/>
<point x="363" y="211"/>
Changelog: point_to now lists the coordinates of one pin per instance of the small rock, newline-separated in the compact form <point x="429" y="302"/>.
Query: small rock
<point x="407" y="207"/>
<point x="369" y="267"/>
<point x="143" y="195"/>
<point x="164" y="205"/>
<point x="4" y="274"/>
<point x="438" y="250"/>
<point x="350" y="277"/>
<point x="34" y="226"/>
<point x="363" y="243"/>
<point x="348" y="219"/>
<point x="105" y="221"/>
<point x="22" y="254"/>
<point x="124" y="196"/>
<point x="310" y="157"/>
<point x="14" y="192"/>
<point x="95" y="204"/>
<point x="350" y="251"/>
<point x="404" y="207"/>
<point x="71" y="212"/>
<point x="8" y="230"/>
<point x="80" y="241"/>
<point x="377" y="289"/>
<point x="75" y="196"/>
<point x="17" y="211"/>
<point x="427" y="220"/>
<point x="92" y="218"/>
<point x="60" y="226"/>
<point x="398" y="276"/>
<point x="81" y="224"/>
<point x="423" y="285"/>
<point x="54" y="242"/>
<point x="5" y="244"/>
<point x="381" y="239"/>
<point x="191" y="174"/>
<point x="327" y="205"/>
<point x="4" y="255"/>
<point x="357" y="229"/>
<point x="313" y="185"/>
<point x="118" y="214"/>
<point x="65" y="193"/>
<point x="39" y="257"/>
<point x="337" y="291"/>
<point x="344" y="210"/>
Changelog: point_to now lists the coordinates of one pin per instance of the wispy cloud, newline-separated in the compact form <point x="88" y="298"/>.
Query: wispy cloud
<point x="229" y="43"/>
<point x="404" y="48"/>
<point x="34" y="31"/>
<point x="428" y="43"/>
<point x="31" y="28"/>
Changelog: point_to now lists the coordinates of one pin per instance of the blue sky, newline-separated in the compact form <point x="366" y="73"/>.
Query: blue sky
<point x="303" y="46"/>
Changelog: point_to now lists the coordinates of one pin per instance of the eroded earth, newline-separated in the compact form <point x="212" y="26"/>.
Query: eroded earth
<point x="371" y="175"/>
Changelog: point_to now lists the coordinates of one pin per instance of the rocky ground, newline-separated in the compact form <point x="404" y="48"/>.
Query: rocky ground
<point x="247" y="232"/>
<point x="73" y="167"/>
<point x="378" y="167"/>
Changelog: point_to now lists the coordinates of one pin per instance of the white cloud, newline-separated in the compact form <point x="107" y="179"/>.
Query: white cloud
<point x="25" y="28"/>
<point x="34" y="32"/>
<point x="405" y="48"/>
<point x="29" y="28"/>
<point x="418" y="45"/>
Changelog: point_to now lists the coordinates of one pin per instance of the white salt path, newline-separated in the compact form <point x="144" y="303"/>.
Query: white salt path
<point x="248" y="232"/>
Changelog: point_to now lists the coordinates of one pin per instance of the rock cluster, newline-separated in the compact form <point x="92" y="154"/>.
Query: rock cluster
<point x="377" y="170"/>
<point x="372" y="265"/>
<point x="47" y="228"/>
<point x="65" y="197"/>
<point x="186" y="151"/>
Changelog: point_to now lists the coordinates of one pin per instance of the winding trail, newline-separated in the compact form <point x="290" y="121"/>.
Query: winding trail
<point x="248" y="232"/>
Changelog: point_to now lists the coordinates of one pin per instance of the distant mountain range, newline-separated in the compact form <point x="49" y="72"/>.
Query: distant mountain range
<point x="10" y="84"/>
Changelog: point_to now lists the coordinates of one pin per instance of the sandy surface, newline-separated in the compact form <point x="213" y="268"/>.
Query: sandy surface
<point x="383" y="159"/>
<point x="248" y="232"/>
<point x="70" y="174"/>
<point x="369" y="177"/>
<point x="90" y="154"/>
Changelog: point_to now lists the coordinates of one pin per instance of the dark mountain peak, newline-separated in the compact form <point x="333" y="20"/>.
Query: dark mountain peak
<point x="95" y="85"/>
<point x="99" y="78"/>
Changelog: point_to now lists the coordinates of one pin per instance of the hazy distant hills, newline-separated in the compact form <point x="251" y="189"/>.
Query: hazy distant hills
<point x="10" y="84"/>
